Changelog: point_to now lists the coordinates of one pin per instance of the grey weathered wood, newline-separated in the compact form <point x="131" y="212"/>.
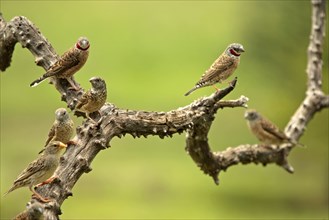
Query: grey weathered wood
<point x="315" y="99"/>
<point x="195" y="119"/>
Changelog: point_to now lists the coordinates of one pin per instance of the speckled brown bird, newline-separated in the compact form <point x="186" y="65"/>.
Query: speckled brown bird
<point x="40" y="169"/>
<point x="68" y="64"/>
<point x="62" y="129"/>
<point x="264" y="130"/>
<point x="222" y="68"/>
<point x="92" y="100"/>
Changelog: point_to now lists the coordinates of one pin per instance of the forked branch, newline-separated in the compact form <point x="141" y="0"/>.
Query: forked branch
<point x="195" y="119"/>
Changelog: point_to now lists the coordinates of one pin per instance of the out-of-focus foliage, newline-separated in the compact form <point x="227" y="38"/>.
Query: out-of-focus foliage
<point x="150" y="53"/>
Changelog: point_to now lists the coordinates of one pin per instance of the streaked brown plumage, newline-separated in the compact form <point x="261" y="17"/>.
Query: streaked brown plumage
<point x="222" y="68"/>
<point x="68" y="64"/>
<point x="92" y="100"/>
<point x="263" y="129"/>
<point x="62" y="129"/>
<point x="40" y="169"/>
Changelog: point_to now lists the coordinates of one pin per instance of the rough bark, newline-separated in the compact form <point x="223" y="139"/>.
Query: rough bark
<point x="315" y="99"/>
<point x="194" y="119"/>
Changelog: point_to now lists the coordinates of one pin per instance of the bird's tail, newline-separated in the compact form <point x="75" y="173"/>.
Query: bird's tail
<point x="296" y="143"/>
<point x="300" y="144"/>
<point x="192" y="90"/>
<point x="10" y="190"/>
<point x="37" y="81"/>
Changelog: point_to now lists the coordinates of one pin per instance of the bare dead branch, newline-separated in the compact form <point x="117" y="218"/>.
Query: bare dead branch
<point x="264" y="154"/>
<point x="118" y="122"/>
<point x="196" y="118"/>
<point x="315" y="99"/>
<point x="23" y="31"/>
<point x="7" y="43"/>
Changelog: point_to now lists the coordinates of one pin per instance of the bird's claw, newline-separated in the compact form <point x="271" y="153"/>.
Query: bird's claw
<point x="73" y="88"/>
<point x="40" y="198"/>
<point x="49" y="180"/>
<point x="217" y="89"/>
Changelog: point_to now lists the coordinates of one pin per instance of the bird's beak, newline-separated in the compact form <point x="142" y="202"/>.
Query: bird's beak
<point x="241" y="49"/>
<point x="246" y="115"/>
<point x="61" y="145"/>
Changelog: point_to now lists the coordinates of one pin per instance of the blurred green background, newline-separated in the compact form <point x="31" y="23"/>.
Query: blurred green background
<point x="150" y="53"/>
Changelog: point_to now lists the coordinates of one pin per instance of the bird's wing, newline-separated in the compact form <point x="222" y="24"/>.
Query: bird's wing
<point x="32" y="168"/>
<point x="273" y="130"/>
<point x="65" y="62"/>
<point x="219" y="66"/>
<point x="83" y="100"/>
<point x="51" y="134"/>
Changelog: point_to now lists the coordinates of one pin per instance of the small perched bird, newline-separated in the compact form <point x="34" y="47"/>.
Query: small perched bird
<point x="222" y="68"/>
<point x="264" y="130"/>
<point x="40" y="169"/>
<point x="68" y="64"/>
<point x="92" y="100"/>
<point x="62" y="129"/>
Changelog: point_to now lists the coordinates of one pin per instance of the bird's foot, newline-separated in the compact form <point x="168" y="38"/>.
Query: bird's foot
<point x="40" y="198"/>
<point x="93" y="121"/>
<point x="95" y="124"/>
<point x="49" y="180"/>
<point x="217" y="89"/>
<point x="73" y="85"/>
<point x="73" y="88"/>
<point x="99" y="121"/>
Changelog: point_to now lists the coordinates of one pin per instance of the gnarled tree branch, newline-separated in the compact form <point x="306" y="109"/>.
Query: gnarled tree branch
<point x="196" y="118"/>
<point x="315" y="99"/>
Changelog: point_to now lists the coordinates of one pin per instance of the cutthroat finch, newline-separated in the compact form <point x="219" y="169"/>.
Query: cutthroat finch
<point x="222" y="68"/>
<point x="68" y="64"/>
